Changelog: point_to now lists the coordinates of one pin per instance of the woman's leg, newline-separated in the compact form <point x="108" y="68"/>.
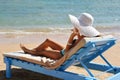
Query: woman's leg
<point x="49" y="43"/>
<point x="53" y="54"/>
<point x="26" y="50"/>
<point x="42" y="51"/>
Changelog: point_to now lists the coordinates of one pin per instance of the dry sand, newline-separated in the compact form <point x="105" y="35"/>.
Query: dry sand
<point x="10" y="43"/>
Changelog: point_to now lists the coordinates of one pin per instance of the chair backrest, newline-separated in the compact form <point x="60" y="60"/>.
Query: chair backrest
<point x="96" y="48"/>
<point x="93" y="48"/>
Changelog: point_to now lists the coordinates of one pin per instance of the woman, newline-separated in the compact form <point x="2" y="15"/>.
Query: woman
<point x="82" y="28"/>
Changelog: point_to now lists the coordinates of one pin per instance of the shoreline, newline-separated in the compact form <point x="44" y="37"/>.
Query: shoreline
<point x="114" y="30"/>
<point x="31" y="37"/>
<point x="46" y="29"/>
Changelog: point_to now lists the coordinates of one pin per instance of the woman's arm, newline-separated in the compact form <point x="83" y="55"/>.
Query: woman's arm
<point x="70" y="40"/>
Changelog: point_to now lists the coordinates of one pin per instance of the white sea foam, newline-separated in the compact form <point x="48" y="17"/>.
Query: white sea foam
<point x="35" y="31"/>
<point x="51" y="30"/>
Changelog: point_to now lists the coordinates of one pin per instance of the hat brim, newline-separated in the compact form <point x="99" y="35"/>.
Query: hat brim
<point x="89" y="31"/>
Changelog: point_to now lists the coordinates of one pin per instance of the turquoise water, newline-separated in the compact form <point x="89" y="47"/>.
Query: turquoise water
<point x="21" y="14"/>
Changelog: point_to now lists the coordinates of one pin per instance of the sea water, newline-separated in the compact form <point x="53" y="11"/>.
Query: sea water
<point x="48" y="15"/>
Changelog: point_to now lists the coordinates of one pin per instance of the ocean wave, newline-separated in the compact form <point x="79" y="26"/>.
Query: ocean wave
<point x="103" y="29"/>
<point x="34" y="30"/>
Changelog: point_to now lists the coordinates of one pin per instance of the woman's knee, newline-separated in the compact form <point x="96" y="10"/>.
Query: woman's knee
<point x="48" y="40"/>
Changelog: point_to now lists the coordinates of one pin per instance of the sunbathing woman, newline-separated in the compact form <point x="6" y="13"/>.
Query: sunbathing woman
<point x="82" y="28"/>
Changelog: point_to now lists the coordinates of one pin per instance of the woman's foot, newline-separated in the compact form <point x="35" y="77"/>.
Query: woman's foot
<point x="27" y="50"/>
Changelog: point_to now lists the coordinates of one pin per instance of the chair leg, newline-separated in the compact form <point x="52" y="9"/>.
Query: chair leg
<point x="106" y="61"/>
<point x="8" y="68"/>
<point x="89" y="72"/>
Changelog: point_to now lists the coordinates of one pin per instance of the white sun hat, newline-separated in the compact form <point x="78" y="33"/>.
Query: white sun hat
<point x="84" y="24"/>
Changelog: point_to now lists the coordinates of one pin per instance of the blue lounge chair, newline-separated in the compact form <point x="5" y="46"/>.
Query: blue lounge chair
<point x="80" y="56"/>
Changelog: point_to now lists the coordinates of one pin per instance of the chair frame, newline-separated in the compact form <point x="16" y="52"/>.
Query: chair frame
<point x="85" y="63"/>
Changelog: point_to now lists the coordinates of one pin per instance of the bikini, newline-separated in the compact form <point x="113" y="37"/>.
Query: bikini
<point x="62" y="51"/>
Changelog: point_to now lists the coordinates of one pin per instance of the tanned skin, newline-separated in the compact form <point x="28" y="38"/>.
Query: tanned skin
<point x="54" y="48"/>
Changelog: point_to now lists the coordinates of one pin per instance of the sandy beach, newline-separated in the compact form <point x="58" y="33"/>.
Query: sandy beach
<point x="10" y="43"/>
<point x="30" y="22"/>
